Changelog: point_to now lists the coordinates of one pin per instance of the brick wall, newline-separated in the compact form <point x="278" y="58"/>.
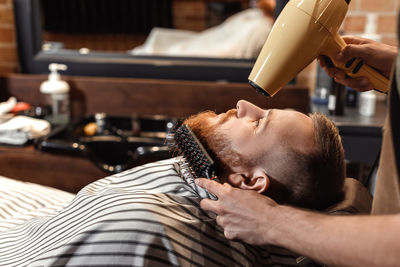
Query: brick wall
<point x="193" y="14"/>
<point x="385" y="11"/>
<point x="189" y="15"/>
<point x="8" y="50"/>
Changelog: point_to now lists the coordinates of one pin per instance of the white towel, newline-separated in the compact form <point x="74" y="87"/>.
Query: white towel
<point x="20" y="129"/>
<point x="240" y="36"/>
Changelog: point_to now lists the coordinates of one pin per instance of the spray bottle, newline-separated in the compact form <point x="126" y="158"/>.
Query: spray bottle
<point x="57" y="95"/>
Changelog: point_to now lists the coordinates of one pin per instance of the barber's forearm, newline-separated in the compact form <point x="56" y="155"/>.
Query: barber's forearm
<point x="338" y="240"/>
<point x="332" y="240"/>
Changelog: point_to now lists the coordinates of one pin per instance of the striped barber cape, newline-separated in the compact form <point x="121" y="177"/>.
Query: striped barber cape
<point x="146" y="216"/>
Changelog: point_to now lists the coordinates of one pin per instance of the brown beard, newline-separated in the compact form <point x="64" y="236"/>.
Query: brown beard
<point x="214" y="141"/>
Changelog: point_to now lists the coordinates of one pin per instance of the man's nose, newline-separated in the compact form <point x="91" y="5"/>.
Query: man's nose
<point x="247" y="109"/>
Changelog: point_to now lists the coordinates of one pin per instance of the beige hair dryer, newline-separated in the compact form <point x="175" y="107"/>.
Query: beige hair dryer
<point x="304" y="30"/>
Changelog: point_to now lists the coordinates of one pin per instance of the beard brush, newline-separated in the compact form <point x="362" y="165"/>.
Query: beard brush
<point x="183" y="142"/>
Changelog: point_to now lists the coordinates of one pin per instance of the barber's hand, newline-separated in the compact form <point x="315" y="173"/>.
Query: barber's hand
<point x="377" y="55"/>
<point x="242" y="213"/>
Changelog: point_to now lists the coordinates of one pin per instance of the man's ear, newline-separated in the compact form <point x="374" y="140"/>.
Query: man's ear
<point x="257" y="181"/>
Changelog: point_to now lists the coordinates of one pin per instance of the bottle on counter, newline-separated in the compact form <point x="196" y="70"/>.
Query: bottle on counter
<point x="367" y="103"/>
<point x="321" y="93"/>
<point x="352" y="97"/>
<point x="57" y="95"/>
<point x="336" y="99"/>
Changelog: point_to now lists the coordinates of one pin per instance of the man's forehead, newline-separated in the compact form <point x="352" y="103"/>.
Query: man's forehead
<point x="290" y="112"/>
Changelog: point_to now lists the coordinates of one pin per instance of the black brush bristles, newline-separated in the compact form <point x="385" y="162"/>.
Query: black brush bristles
<point x="185" y="143"/>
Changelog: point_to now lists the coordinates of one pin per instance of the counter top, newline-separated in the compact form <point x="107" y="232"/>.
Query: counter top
<point x="361" y="135"/>
<point x="353" y="118"/>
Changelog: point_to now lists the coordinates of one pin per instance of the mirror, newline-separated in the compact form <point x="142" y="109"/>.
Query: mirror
<point x="112" y="38"/>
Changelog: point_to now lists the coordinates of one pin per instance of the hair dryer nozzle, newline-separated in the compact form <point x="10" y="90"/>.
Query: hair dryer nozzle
<point x="258" y="88"/>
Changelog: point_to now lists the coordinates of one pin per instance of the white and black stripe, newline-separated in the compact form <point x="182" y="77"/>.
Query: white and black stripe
<point x="22" y="201"/>
<point x="146" y="216"/>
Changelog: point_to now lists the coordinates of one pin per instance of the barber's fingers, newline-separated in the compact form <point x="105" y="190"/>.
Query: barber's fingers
<point x="321" y="61"/>
<point x="220" y="221"/>
<point x="360" y="84"/>
<point x="351" y="39"/>
<point x="353" y="51"/>
<point x="210" y="185"/>
<point x="210" y="205"/>
<point x="357" y="47"/>
<point x="223" y="221"/>
<point x="354" y="42"/>
<point x="215" y="188"/>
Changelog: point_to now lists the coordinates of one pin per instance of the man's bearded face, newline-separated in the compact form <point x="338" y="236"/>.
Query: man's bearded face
<point x="213" y="140"/>
<point x="249" y="136"/>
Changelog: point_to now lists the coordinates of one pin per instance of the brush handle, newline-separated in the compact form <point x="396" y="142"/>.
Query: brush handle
<point x="356" y="67"/>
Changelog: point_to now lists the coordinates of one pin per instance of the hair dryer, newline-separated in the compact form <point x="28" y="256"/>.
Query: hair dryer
<point x="304" y="30"/>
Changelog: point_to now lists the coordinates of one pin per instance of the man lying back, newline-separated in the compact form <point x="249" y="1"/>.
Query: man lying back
<point x="150" y="215"/>
<point x="293" y="158"/>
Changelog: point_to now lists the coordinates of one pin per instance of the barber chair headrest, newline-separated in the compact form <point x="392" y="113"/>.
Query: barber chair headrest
<point x="357" y="199"/>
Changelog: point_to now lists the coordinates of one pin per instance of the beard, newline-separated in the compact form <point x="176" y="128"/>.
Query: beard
<point x="216" y="143"/>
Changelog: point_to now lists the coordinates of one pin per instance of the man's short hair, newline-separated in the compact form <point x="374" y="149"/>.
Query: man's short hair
<point x="328" y="167"/>
<point x="317" y="178"/>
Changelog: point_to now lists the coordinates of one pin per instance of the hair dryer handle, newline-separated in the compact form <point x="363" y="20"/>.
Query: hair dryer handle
<point x="356" y="67"/>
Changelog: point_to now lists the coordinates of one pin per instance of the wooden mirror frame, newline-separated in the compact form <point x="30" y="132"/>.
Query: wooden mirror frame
<point x="35" y="61"/>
